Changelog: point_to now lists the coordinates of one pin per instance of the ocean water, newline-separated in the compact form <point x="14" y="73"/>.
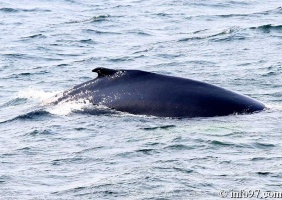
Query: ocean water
<point x="58" y="152"/>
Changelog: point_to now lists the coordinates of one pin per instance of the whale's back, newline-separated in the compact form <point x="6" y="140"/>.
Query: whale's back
<point x="146" y="93"/>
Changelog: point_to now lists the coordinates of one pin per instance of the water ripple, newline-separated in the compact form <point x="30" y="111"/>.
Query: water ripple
<point x="72" y="151"/>
<point x="15" y="10"/>
<point x="33" y="115"/>
<point x="268" y="27"/>
<point x="159" y="127"/>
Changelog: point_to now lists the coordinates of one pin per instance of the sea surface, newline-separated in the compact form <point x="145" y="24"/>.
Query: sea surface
<point x="58" y="152"/>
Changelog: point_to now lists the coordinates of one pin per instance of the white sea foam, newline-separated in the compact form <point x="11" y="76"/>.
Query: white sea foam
<point x="65" y="108"/>
<point x="275" y="106"/>
<point x="45" y="98"/>
<point x="37" y="94"/>
<point x="62" y="108"/>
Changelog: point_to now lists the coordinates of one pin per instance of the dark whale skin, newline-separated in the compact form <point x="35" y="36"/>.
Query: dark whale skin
<point x="146" y="93"/>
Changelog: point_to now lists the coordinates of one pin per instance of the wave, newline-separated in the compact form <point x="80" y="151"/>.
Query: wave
<point x="220" y="143"/>
<point x="203" y="34"/>
<point x="98" y="18"/>
<point x="233" y="33"/>
<point x="35" y="36"/>
<point x="101" y="32"/>
<point x="21" y="102"/>
<point x="277" y="10"/>
<point x="63" y="108"/>
<point x="21" y="74"/>
<point x="121" y="59"/>
<point x="37" y="94"/>
<point x="179" y="147"/>
<point x="88" y="41"/>
<point x="46" y="99"/>
<point x="13" y="102"/>
<point x="15" y="10"/>
<point x="139" y="32"/>
<point x="268" y="27"/>
<point x="33" y="115"/>
<point x="9" y="10"/>
<point x="263" y="145"/>
<point x="160" y="127"/>
<point x="267" y="12"/>
<point x="275" y="106"/>
<point x="146" y="151"/>
<point x="40" y="132"/>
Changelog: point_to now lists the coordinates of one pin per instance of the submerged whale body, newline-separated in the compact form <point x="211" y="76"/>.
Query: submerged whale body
<point x="146" y="93"/>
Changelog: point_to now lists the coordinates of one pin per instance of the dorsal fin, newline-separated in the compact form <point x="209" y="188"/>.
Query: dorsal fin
<point x="102" y="72"/>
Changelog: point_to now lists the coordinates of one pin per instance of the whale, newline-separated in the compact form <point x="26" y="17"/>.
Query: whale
<point x="152" y="94"/>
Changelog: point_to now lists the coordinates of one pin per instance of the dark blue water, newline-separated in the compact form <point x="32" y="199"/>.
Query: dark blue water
<point x="57" y="152"/>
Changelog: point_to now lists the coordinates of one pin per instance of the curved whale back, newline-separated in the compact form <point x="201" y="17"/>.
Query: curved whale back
<point x="146" y="93"/>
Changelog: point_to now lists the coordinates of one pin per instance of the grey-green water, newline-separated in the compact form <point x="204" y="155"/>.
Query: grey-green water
<point x="54" y="152"/>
